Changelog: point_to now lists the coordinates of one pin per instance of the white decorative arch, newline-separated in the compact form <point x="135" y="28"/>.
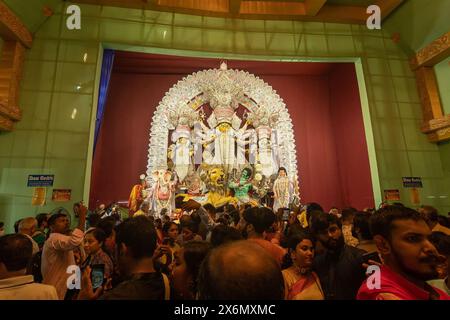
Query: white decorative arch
<point x="256" y="91"/>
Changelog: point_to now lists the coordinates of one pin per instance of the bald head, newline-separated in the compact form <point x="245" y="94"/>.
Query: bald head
<point x="240" y="270"/>
<point x="28" y="226"/>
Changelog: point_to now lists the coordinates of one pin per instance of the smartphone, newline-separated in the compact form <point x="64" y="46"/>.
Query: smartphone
<point x="97" y="275"/>
<point x="371" y="256"/>
<point x="286" y="213"/>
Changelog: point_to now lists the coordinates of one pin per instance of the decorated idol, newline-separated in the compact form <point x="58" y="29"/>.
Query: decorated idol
<point x="282" y="189"/>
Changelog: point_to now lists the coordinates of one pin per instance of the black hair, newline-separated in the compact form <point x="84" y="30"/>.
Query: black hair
<point x="292" y="243"/>
<point x="444" y="221"/>
<point x="16" y="225"/>
<point x="347" y="213"/>
<point x="98" y="234"/>
<point x="139" y="235"/>
<point x="190" y="224"/>
<point x="93" y="220"/>
<point x="166" y="226"/>
<point x="313" y="206"/>
<point x="361" y="223"/>
<point x="222" y="234"/>
<point x="381" y="222"/>
<point x="322" y="221"/>
<point x="41" y="218"/>
<point x="442" y="242"/>
<point x="107" y="225"/>
<point x="15" y="251"/>
<point x="260" y="218"/>
<point x="282" y="168"/>
<point x="2" y="224"/>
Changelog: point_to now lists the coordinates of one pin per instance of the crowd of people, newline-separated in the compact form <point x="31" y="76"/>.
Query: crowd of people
<point x="232" y="252"/>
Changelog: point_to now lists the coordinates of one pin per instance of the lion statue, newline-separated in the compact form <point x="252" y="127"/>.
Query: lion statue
<point x="214" y="176"/>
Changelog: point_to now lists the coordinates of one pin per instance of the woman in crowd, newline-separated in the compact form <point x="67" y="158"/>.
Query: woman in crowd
<point x="300" y="281"/>
<point x="185" y="272"/>
<point x="94" y="241"/>
<point x="170" y="232"/>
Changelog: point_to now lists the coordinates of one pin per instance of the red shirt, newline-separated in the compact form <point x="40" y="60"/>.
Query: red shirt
<point x="392" y="283"/>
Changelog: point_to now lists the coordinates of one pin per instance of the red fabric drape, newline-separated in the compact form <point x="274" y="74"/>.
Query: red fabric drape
<point x="322" y="99"/>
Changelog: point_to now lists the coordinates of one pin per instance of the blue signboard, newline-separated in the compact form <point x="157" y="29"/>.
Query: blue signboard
<point x="412" y="182"/>
<point x="40" y="180"/>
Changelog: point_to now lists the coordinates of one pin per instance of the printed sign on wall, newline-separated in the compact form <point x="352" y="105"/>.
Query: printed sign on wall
<point x="40" y="180"/>
<point x="61" y="195"/>
<point x="392" y="195"/>
<point x="412" y="182"/>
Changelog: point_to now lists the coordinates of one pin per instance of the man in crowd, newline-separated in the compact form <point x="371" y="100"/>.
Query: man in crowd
<point x="15" y="255"/>
<point x="254" y="275"/>
<point x="136" y="245"/>
<point x="431" y="216"/>
<point x="57" y="254"/>
<point x="340" y="267"/>
<point x="410" y="258"/>
<point x="254" y="222"/>
<point x="27" y="227"/>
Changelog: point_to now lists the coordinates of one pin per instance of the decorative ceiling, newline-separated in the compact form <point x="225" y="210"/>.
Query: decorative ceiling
<point x="339" y="11"/>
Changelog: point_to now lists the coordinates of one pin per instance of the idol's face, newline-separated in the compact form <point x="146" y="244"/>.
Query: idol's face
<point x="282" y="173"/>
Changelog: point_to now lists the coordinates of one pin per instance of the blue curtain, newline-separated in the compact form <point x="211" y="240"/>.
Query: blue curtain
<point x="107" y="66"/>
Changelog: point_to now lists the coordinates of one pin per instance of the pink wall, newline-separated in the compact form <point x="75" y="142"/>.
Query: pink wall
<point x="349" y="137"/>
<point x="140" y="81"/>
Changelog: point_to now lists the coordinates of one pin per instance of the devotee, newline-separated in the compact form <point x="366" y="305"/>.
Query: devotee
<point x="340" y="267"/>
<point x="189" y="229"/>
<point x="362" y="229"/>
<point x="136" y="244"/>
<point x="255" y="275"/>
<point x="27" y="227"/>
<point x="107" y="225"/>
<point x="15" y="255"/>
<point x="222" y="234"/>
<point x="58" y="251"/>
<point x="94" y="241"/>
<point x="442" y="243"/>
<point x="40" y="235"/>
<point x="300" y="281"/>
<point x="185" y="272"/>
<point x="410" y="259"/>
<point x="254" y="222"/>
<point x="170" y="232"/>
<point x="348" y="215"/>
<point x="430" y="215"/>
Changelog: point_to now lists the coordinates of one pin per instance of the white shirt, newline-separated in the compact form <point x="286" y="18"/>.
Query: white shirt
<point x="57" y="255"/>
<point x="34" y="243"/>
<point x="24" y="288"/>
